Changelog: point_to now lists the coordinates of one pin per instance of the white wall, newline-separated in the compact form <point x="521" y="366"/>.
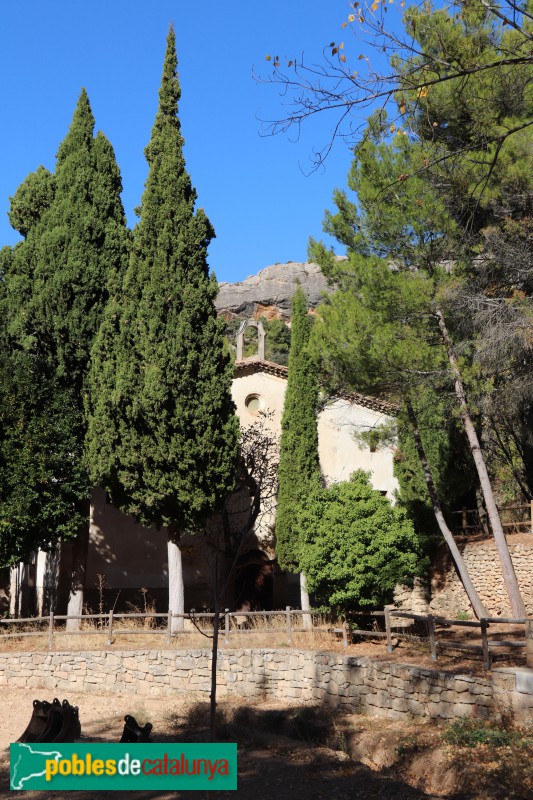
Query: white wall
<point x="339" y="453"/>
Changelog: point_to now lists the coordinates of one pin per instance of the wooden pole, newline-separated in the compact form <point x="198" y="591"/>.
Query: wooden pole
<point x="518" y="608"/>
<point x="344" y="633"/>
<point x="432" y="638"/>
<point x="485" y="643"/>
<point x="477" y="605"/>
<point x="110" y="629"/>
<point x="51" y="631"/>
<point x="388" y="628"/>
<point x="226" y="625"/>
<point x="289" y="627"/>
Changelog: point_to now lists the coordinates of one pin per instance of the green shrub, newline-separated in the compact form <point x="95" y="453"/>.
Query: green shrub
<point x="355" y="547"/>
<point x="466" y="732"/>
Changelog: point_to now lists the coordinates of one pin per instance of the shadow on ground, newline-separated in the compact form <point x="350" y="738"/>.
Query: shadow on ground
<point x="292" y="753"/>
<point x="266" y="775"/>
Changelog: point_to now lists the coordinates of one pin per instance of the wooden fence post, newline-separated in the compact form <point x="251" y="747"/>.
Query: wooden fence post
<point x="432" y="639"/>
<point x="464" y="520"/>
<point x="388" y="628"/>
<point x="344" y="633"/>
<point x="51" y="631"/>
<point x="110" y="630"/>
<point x="485" y="643"/>
<point x="226" y="625"/>
<point x="289" y="627"/>
<point x="528" y="633"/>
<point x="168" y="636"/>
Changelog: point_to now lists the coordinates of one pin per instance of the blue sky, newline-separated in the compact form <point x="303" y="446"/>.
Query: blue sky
<point x="254" y="188"/>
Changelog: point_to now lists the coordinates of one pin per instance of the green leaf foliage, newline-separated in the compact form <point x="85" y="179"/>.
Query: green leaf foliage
<point x="468" y="117"/>
<point x="450" y="462"/>
<point x="162" y="433"/>
<point x="354" y="546"/>
<point x="61" y="274"/>
<point x="33" y="197"/>
<point x="55" y="285"/>
<point x="41" y="478"/>
<point x="395" y="214"/>
<point x="42" y="481"/>
<point x="299" y="464"/>
<point x="378" y="334"/>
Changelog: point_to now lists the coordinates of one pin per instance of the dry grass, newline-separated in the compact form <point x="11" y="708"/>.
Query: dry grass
<point x="149" y="633"/>
<point x="258" y="631"/>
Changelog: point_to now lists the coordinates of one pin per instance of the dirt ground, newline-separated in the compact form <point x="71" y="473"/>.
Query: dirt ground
<point x="273" y="762"/>
<point x="270" y="767"/>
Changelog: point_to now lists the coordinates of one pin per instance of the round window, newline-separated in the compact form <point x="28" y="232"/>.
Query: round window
<point x="253" y="403"/>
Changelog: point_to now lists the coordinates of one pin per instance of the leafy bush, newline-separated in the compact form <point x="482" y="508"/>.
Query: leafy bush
<point x="354" y="545"/>
<point x="466" y="732"/>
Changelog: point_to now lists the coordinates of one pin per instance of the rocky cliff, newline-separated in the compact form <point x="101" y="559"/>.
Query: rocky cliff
<point x="269" y="293"/>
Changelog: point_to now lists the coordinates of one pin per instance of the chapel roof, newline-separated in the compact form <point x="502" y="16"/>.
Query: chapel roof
<point x="248" y="366"/>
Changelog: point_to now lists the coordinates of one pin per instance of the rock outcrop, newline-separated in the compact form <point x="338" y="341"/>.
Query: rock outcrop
<point x="269" y="293"/>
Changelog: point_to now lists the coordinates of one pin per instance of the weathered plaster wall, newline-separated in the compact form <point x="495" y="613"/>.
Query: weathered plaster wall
<point x="269" y="387"/>
<point x="340" y="454"/>
<point x="338" y="421"/>
<point x="379" y="688"/>
<point x="446" y="595"/>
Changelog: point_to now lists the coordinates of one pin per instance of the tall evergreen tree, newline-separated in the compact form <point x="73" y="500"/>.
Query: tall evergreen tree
<point x="57" y="286"/>
<point x="40" y="476"/>
<point x="299" y="466"/>
<point x="163" y="434"/>
<point x="395" y="316"/>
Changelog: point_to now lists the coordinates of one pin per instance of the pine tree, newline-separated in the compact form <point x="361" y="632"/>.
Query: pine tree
<point x="299" y="466"/>
<point x="388" y="326"/>
<point x="163" y="434"/>
<point x="57" y="287"/>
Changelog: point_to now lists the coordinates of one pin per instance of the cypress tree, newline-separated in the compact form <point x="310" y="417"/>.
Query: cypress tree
<point x="163" y="434"/>
<point x="41" y="475"/>
<point x="58" y="284"/>
<point x="77" y="246"/>
<point x="299" y="466"/>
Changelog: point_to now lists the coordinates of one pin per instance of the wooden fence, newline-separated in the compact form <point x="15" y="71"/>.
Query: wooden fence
<point x="232" y="623"/>
<point x="515" y="518"/>
<point x="437" y="625"/>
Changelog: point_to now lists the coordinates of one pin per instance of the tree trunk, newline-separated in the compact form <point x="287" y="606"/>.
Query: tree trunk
<point x="482" y="512"/>
<point x="214" y="658"/>
<point x="479" y="609"/>
<point x="80" y="549"/>
<point x="304" y="601"/>
<point x="518" y="608"/>
<point x="176" y="594"/>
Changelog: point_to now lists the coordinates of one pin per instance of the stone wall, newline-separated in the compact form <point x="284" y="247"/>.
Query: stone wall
<point x="380" y="688"/>
<point x="445" y="594"/>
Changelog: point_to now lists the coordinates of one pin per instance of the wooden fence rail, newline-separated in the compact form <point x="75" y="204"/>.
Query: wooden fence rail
<point x="523" y="521"/>
<point x="231" y="623"/>
<point x="432" y="621"/>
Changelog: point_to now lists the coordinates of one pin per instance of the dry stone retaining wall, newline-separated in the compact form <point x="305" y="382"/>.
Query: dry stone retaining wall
<point x="380" y="688"/>
<point x="446" y="595"/>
